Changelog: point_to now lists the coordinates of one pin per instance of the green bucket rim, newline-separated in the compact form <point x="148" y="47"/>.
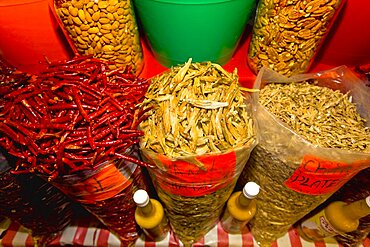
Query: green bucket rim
<point x="192" y="2"/>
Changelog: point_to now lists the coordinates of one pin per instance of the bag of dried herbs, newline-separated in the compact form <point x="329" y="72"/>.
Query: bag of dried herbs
<point x="313" y="137"/>
<point x="198" y="133"/>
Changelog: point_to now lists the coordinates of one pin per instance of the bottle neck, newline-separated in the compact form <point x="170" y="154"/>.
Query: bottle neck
<point x="147" y="209"/>
<point x="243" y="200"/>
<point x="357" y="209"/>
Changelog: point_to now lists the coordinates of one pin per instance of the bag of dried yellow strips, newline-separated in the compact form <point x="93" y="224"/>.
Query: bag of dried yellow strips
<point x="313" y="137"/>
<point x="199" y="134"/>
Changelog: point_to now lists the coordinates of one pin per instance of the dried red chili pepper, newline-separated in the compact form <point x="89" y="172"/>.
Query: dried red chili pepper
<point x="82" y="118"/>
<point x="68" y="109"/>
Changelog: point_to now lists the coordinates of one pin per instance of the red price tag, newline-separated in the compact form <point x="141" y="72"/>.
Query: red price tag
<point x="316" y="176"/>
<point x="185" y="178"/>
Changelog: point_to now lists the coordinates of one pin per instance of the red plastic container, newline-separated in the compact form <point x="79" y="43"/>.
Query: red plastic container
<point x="29" y="33"/>
<point x="348" y="42"/>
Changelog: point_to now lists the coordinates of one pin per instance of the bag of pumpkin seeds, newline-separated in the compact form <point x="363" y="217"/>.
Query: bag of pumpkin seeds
<point x="198" y="135"/>
<point x="313" y="137"/>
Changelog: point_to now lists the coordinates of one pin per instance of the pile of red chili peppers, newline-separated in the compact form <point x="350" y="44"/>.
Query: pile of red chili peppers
<point x="70" y="117"/>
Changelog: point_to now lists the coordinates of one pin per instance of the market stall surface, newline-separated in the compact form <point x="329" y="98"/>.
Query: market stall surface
<point x="90" y="234"/>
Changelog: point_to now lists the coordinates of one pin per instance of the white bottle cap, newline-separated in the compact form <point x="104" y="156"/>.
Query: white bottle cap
<point x="368" y="201"/>
<point x="141" y="198"/>
<point x="251" y="190"/>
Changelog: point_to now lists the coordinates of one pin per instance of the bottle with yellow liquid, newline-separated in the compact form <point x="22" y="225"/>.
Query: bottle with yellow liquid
<point x="149" y="215"/>
<point x="337" y="218"/>
<point x="240" y="209"/>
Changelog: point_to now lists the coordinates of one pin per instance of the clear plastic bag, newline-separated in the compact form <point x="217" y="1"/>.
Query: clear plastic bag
<point x="106" y="191"/>
<point x="104" y="29"/>
<point x="295" y="175"/>
<point x="194" y="198"/>
<point x="198" y="135"/>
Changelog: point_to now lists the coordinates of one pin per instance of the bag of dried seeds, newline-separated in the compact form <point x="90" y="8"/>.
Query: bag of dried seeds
<point x="105" y="29"/>
<point x="198" y="135"/>
<point x="313" y="137"/>
<point x="287" y="35"/>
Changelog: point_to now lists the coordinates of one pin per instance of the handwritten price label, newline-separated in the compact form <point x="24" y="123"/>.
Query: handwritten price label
<point x="213" y="172"/>
<point x="316" y="176"/>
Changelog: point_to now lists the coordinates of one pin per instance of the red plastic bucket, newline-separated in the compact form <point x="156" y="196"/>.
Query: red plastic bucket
<point x="348" y="42"/>
<point x="29" y="33"/>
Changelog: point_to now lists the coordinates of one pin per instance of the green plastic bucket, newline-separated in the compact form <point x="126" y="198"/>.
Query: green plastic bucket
<point x="204" y="30"/>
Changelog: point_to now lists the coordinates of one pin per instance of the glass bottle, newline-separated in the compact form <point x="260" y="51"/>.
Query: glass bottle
<point x="240" y="209"/>
<point x="335" y="219"/>
<point x="149" y="215"/>
<point x="352" y="191"/>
